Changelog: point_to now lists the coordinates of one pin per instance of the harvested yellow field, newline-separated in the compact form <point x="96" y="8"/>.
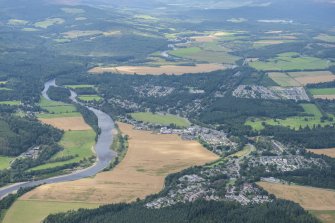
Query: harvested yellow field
<point x="67" y="123"/>
<point x="313" y="77"/>
<point x="150" y="158"/>
<point x="328" y="152"/>
<point x="167" y="69"/>
<point x="310" y="198"/>
<point x="325" y="97"/>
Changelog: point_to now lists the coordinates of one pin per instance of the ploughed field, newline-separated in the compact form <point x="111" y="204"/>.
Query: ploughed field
<point x="150" y="158"/>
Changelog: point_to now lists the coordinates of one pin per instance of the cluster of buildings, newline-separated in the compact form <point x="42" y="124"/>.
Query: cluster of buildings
<point x="273" y="93"/>
<point x="154" y="91"/>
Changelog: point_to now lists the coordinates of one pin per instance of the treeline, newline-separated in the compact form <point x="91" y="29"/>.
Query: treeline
<point x="200" y="211"/>
<point x="316" y="137"/>
<point x="59" y="94"/>
<point x="19" y="134"/>
<point x="89" y="117"/>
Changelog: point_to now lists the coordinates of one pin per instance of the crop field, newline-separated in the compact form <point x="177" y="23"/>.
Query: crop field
<point x="17" y="22"/>
<point x="21" y="211"/>
<point x="328" y="152"/>
<point x="283" y="79"/>
<point x="184" y="52"/>
<point x="167" y="69"/>
<point x="89" y="98"/>
<point x="290" y="61"/>
<point x="312" y="77"/>
<point x="268" y="42"/>
<point x="325" y="216"/>
<point x="310" y="198"/>
<point x="67" y="123"/>
<point x="150" y="158"/>
<point x="293" y="122"/>
<point x="161" y="119"/>
<point x="5" y="161"/>
<point x="323" y="93"/>
<point x="78" y="144"/>
<point x="326" y="38"/>
<point x="49" y="22"/>
<point x="10" y="102"/>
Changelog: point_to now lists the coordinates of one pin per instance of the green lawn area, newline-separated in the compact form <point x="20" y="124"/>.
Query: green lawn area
<point x="89" y="98"/>
<point x="283" y="79"/>
<point x="184" y="52"/>
<point x="325" y="216"/>
<point x="57" y="109"/>
<point x="10" y="102"/>
<point x="4" y="162"/>
<point x="80" y="86"/>
<point x="291" y="61"/>
<point x="161" y="119"/>
<point x="75" y="143"/>
<point x="312" y="117"/>
<point x="22" y="210"/>
<point x="322" y="91"/>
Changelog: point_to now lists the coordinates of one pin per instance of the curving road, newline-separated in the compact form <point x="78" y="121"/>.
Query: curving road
<point x="102" y="148"/>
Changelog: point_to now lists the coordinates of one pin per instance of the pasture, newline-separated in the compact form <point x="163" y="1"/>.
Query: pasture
<point x="5" y="162"/>
<point x="77" y="144"/>
<point x="184" y="52"/>
<point x="57" y="109"/>
<point x="78" y="86"/>
<point x="328" y="152"/>
<point x="67" y="123"/>
<point x="323" y="93"/>
<point x="310" y="198"/>
<point x="167" y="69"/>
<point x="161" y="119"/>
<point x="150" y="158"/>
<point x="283" y="79"/>
<point x="290" y="61"/>
<point x="17" y="22"/>
<point x="10" y="102"/>
<point x="89" y="98"/>
<point x="312" y="117"/>
<point x="312" y="77"/>
<point x="325" y="38"/>
<point x="325" y="216"/>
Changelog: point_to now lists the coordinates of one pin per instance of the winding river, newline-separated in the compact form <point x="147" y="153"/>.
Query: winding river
<point x="102" y="148"/>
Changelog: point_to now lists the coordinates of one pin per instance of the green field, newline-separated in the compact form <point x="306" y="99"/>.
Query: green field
<point x="184" y="52"/>
<point x="312" y="117"/>
<point x="75" y="143"/>
<point x="21" y="210"/>
<point x="326" y="38"/>
<point x="324" y="216"/>
<point x="79" y="86"/>
<point x="5" y="161"/>
<point x="10" y="102"/>
<point x="89" y="98"/>
<point x="3" y="82"/>
<point x="57" y="109"/>
<point x="160" y="119"/>
<point x="5" y="89"/>
<point x="283" y="79"/>
<point x="49" y="22"/>
<point x="291" y="61"/>
<point x="322" y="91"/>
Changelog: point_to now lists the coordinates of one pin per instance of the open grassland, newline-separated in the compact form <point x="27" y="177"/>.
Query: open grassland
<point x="310" y="198"/>
<point x="57" y="109"/>
<point x="168" y="69"/>
<point x="80" y="86"/>
<point x="150" y="158"/>
<point x="89" y="98"/>
<point x="49" y="22"/>
<point x="268" y="42"/>
<point x="10" y="102"/>
<point x="313" y="77"/>
<point x="326" y="38"/>
<point x="75" y="34"/>
<point x="184" y="52"/>
<point x="322" y="91"/>
<point x="291" y="61"/>
<point x="312" y="117"/>
<point x="5" y="89"/>
<point x="325" y="216"/>
<point x="67" y="123"/>
<point x="162" y="119"/>
<point x="34" y="211"/>
<point x="328" y="152"/>
<point x="283" y="79"/>
<point x="17" y="22"/>
<point x="5" y="161"/>
<point x="77" y="144"/>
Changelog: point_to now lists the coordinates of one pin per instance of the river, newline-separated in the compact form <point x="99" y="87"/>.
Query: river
<point x="102" y="149"/>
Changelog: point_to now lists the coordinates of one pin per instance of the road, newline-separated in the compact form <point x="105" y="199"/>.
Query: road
<point x="102" y="148"/>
